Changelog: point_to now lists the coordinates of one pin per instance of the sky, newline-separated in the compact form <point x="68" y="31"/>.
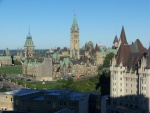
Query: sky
<point x="50" y="22"/>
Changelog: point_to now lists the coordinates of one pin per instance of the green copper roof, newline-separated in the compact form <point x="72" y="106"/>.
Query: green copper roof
<point x="74" y="53"/>
<point x="64" y="62"/>
<point x="56" y="55"/>
<point x="74" y="25"/>
<point x="4" y="57"/>
<point x="29" y="42"/>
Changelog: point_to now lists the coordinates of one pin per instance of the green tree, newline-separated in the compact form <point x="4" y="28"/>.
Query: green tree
<point x="16" y="62"/>
<point x="68" y="83"/>
<point x="3" y="89"/>
<point x="107" y="60"/>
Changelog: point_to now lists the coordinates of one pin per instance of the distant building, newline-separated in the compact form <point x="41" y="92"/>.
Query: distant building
<point x="5" y="60"/>
<point x="7" y="52"/>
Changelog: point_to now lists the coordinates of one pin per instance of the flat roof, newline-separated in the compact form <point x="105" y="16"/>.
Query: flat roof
<point x="62" y="94"/>
<point x="40" y="97"/>
<point x="21" y="92"/>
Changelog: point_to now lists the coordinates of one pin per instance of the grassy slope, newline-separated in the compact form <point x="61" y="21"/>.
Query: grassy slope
<point x="11" y="69"/>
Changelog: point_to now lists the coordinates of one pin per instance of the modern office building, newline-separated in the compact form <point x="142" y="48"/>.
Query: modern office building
<point x="45" y="101"/>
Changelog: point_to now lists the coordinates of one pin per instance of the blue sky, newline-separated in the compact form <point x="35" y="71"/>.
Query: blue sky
<point x="50" y="21"/>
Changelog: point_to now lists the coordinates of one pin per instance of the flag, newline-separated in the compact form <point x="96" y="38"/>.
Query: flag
<point x="58" y="69"/>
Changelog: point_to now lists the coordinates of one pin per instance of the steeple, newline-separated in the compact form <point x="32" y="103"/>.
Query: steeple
<point x="74" y="24"/>
<point x="29" y="41"/>
<point x="115" y="43"/>
<point x="17" y="51"/>
<point x="29" y="46"/>
<point x="123" y="36"/>
<point x="29" y="31"/>
<point x="149" y="48"/>
<point x="115" y="40"/>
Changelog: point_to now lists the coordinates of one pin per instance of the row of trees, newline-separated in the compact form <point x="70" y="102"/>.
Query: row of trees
<point x="84" y="85"/>
<point x="104" y="75"/>
<point x="99" y="83"/>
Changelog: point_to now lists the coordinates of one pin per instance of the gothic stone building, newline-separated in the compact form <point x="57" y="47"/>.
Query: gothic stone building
<point x="39" y="71"/>
<point x="130" y="76"/>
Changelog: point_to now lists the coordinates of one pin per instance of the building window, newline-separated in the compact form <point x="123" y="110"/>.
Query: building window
<point x="11" y="100"/>
<point x="72" y="104"/>
<point x="62" y="103"/>
<point x="120" y="78"/>
<point x="49" y="102"/>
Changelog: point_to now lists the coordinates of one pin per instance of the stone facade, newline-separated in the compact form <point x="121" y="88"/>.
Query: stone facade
<point x="76" y="68"/>
<point x="39" y="71"/>
<point x="74" y="40"/>
<point x="5" y="60"/>
<point x="130" y="73"/>
<point x="6" y="102"/>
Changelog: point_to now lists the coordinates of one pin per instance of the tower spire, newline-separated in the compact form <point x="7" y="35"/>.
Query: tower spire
<point x="75" y="24"/>
<point x="123" y="36"/>
<point x="29" y="31"/>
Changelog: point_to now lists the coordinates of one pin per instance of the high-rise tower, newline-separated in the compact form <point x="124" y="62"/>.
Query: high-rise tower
<point x="29" y="46"/>
<point x="74" y="40"/>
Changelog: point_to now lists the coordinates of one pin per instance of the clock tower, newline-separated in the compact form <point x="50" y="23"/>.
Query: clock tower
<point x="74" y="40"/>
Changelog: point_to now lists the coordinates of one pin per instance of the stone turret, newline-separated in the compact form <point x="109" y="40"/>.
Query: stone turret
<point x="122" y="39"/>
<point x="115" y="43"/>
<point x="123" y="36"/>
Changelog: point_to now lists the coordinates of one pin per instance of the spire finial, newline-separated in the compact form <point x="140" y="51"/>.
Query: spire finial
<point x="74" y="12"/>
<point x="29" y="31"/>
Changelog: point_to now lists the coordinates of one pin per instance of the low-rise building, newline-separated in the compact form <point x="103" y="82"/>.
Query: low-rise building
<point x="5" y="60"/>
<point x="45" y="101"/>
